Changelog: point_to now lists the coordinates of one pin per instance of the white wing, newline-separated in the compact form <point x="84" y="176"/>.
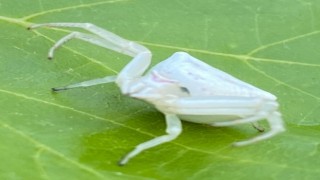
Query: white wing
<point x="203" y="80"/>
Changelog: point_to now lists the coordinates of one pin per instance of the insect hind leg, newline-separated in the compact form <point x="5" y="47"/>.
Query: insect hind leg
<point x="276" y="127"/>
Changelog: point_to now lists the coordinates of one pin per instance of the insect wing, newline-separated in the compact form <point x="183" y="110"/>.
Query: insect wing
<point x="204" y="80"/>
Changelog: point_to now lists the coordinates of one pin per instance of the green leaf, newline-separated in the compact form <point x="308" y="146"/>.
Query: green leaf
<point x="82" y="133"/>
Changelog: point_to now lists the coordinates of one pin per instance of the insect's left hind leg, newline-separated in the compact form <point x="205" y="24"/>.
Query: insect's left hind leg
<point x="257" y="126"/>
<point x="276" y="126"/>
<point x="173" y="129"/>
<point x="250" y="107"/>
<point x="116" y="43"/>
<point x="93" y="82"/>
<point x="252" y="119"/>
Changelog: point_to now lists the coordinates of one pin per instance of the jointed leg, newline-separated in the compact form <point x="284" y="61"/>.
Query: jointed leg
<point x="257" y="126"/>
<point x="242" y="106"/>
<point x="276" y="126"/>
<point x="93" y="82"/>
<point x="85" y="37"/>
<point x="173" y="129"/>
<point x="216" y="102"/>
<point x="250" y="119"/>
<point x="130" y="48"/>
<point x="253" y="120"/>
<point x="104" y="38"/>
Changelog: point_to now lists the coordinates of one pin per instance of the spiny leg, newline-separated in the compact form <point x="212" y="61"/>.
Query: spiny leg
<point x="173" y="129"/>
<point x="93" y="82"/>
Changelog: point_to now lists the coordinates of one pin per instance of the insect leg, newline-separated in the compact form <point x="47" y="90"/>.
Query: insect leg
<point x="238" y="106"/>
<point x="257" y="126"/>
<point x="92" y="82"/>
<point x="85" y="37"/>
<point x="254" y="109"/>
<point x="252" y="119"/>
<point x="215" y="102"/>
<point x="121" y="45"/>
<point x="240" y="121"/>
<point x="134" y="69"/>
<point x="276" y="125"/>
<point x="173" y="129"/>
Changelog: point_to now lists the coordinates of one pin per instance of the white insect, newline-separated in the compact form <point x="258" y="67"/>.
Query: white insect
<point x="181" y="87"/>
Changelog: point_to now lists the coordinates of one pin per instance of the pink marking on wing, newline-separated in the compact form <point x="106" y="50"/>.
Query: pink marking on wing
<point x="156" y="77"/>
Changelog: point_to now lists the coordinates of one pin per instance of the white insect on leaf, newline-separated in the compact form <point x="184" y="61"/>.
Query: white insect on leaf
<point x="181" y="87"/>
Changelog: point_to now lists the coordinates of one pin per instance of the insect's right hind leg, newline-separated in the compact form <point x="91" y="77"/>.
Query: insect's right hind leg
<point x="93" y="82"/>
<point x="111" y="40"/>
<point x="85" y="37"/>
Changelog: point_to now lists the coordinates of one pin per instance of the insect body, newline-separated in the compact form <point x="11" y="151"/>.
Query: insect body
<point x="181" y="87"/>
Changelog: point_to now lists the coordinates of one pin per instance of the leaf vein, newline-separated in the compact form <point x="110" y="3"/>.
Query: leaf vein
<point x="47" y="148"/>
<point x="26" y="18"/>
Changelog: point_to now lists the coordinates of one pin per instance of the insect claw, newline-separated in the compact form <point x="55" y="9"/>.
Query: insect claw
<point x="260" y="129"/>
<point x="31" y="27"/>
<point x="257" y="127"/>
<point x="240" y="143"/>
<point x="120" y="163"/>
<point x="58" y="89"/>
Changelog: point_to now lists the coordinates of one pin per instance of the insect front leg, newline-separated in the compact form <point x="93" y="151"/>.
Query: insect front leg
<point x="92" y="82"/>
<point x="173" y="129"/>
<point x="101" y="37"/>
